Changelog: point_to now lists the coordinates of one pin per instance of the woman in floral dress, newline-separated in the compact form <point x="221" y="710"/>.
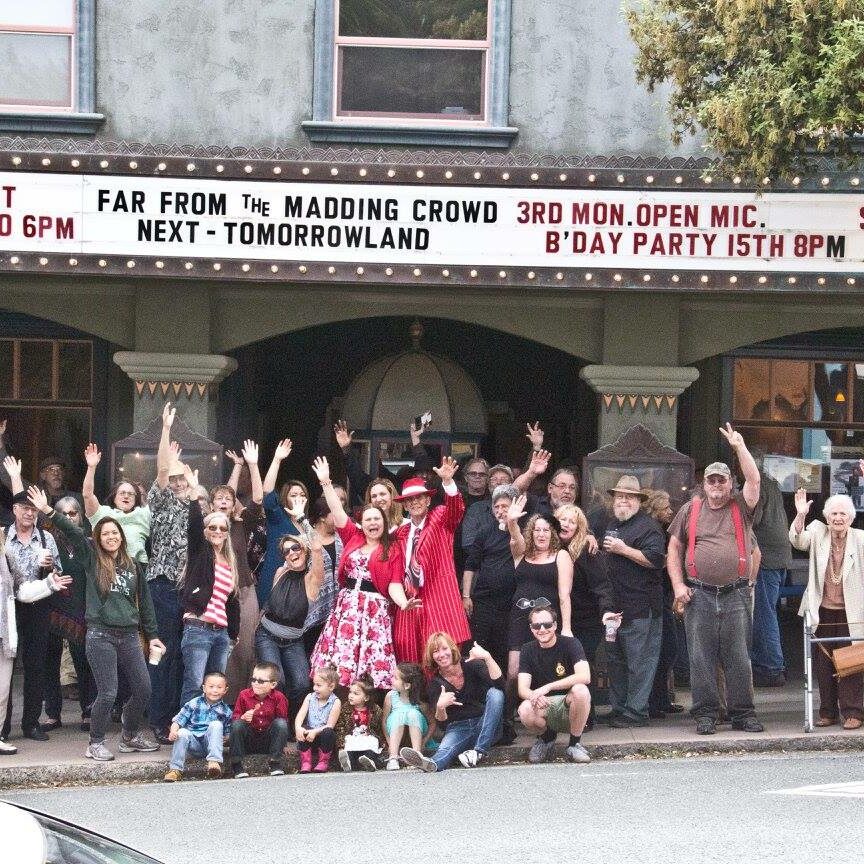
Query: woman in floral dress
<point x="358" y="636"/>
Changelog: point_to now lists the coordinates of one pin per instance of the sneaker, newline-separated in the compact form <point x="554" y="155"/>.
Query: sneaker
<point x="214" y="770"/>
<point x="577" y="753"/>
<point x="706" y="726"/>
<point x="416" y="759"/>
<point x="275" y="769"/>
<point x="173" y="776"/>
<point x="7" y="749"/>
<point x="472" y="758"/>
<point x="344" y="760"/>
<point x="99" y="752"/>
<point x="541" y="751"/>
<point x="769" y="679"/>
<point x="138" y="743"/>
<point x="240" y="773"/>
<point x="161" y="735"/>
<point x="35" y="733"/>
<point x="393" y="764"/>
<point x="748" y="724"/>
<point x="366" y="763"/>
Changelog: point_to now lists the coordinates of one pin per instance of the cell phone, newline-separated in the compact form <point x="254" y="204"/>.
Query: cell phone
<point x="423" y="421"/>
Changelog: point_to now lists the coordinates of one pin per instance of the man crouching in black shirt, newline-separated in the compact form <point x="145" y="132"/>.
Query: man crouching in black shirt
<point x="553" y="682"/>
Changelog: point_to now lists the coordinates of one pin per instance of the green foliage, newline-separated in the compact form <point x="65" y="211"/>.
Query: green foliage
<point x="770" y="82"/>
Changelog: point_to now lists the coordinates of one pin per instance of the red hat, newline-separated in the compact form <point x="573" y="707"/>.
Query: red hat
<point x="414" y="487"/>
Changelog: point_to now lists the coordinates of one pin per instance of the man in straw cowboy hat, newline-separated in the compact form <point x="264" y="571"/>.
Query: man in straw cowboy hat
<point x="635" y="549"/>
<point x="710" y="563"/>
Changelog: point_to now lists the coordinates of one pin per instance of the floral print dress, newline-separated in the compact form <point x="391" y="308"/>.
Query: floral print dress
<point x="358" y="636"/>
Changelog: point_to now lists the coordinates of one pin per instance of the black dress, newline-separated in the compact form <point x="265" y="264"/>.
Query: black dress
<point x="532" y="581"/>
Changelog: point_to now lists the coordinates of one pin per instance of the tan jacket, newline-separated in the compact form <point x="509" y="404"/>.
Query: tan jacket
<point x="816" y="538"/>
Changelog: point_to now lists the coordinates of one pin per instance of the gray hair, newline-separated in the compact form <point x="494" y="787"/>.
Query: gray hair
<point x="504" y="469"/>
<point x="505" y="490"/>
<point x="844" y="500"/>
<point x="66" y="501"/>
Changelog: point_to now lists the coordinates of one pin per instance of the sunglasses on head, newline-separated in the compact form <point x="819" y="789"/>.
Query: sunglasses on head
<point x="539" y="603"/>
<point x="542" y="625"/>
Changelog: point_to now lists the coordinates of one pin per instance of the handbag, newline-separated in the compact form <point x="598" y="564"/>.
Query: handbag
<point x="848" y="660"/>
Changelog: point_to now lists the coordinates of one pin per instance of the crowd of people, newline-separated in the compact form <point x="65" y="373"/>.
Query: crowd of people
<point x="404" y="621"/>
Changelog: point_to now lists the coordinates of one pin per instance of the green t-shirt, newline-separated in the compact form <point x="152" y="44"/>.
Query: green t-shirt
<point x="135" y="525"/>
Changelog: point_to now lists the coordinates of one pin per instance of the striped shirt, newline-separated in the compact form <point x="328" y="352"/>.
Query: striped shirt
<point x="223" y="585"/>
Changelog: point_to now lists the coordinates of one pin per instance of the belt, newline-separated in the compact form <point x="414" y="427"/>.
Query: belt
<point x="365" y="585"/>
<point x="719" y="590"/>
<point x="204" y="625"/>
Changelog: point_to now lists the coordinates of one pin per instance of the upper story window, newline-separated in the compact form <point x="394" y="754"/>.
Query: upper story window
<point x="47" y="69"/>
<point x="417" y="71"/>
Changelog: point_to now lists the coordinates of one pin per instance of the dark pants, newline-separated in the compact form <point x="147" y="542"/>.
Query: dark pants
<point x="660" y="699"/>
<point x="718" y="633"/>
<point x="324" y="742"/>
<point x="590" y="635"/>
<point x="847" y="693"/>
<point x="244" y="739"/>
<point x="167" y="678"/>
<point x="632" y="660"/>
<point x="108" y="648"/>
<point x="32" y="621"/>
<point x="489" y="622"/>
<point x="53" y="692"/>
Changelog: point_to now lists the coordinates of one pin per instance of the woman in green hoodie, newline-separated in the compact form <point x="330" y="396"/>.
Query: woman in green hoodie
<point x="118" y="606"/>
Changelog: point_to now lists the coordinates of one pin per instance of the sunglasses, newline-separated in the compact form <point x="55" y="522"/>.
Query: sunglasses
<point x="542" y="625"/>
<point x="262" y="680"/>
<point x="69" y="513"/>
<point x="291" y="548"/>
<point x="220" y="528"/>
<point x="716" y="480"/>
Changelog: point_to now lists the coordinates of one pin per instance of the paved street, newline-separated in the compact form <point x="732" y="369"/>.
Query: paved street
<point x="754" y="808"/>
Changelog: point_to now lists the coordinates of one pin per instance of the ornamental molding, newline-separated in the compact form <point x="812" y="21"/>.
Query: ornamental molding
<point x="639" y="385"/>
<point x="187" y="373"/>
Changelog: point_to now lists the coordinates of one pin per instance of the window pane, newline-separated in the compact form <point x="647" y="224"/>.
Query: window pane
<point x="858" y="400"/>
<point x="414" y="19"/>
<point x="36" y="364"/>
<point x="830" y="399"/>
<point x="44" y="13"/>
<point x="752" y="399"/>
<point x="7" y="369"/>
<point x="394" y="81"/>
<point x="791" y="389"/>
<point x="35" y="69"/>
<point x="75" y="371"/>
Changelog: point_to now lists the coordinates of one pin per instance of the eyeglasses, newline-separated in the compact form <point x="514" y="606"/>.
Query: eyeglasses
<point x="222" y="528"/>
<point x="69" y="513"/>
<point x="565" y="487"/>
<point x="716" y="480"/>
<point x="541" y="625"/>
<point x="291" y="548"/>
<point x="262" y="680"/>
<point x="476" y="474"/>
<point x="539" y="603"/>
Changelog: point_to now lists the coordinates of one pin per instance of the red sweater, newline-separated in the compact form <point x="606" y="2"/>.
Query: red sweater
<point x="273" y="705"/>
<point x="383" y="573"/>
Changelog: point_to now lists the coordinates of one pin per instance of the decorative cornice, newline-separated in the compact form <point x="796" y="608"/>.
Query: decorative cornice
<point x="188" y="373"/>
<point x="639" y="385"/>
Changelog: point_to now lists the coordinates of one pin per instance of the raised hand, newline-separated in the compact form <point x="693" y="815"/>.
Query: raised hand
<point x="802" y="505"/>
<point x="168" y="414"/>
<point x="415" y="434"/>
<point x="540" y="461"/>
<point x="191" y="478"/>
<point x="477" y="652"/>
<point x="38" y="499"/>
<point x="12" y="466"/>
<point x="174" y="451"/>
<point x="448" y="469"/>
<point x="534" y="435"/>
<point x="734" y="438"/>
<point x="283" y="449"/>
<point x="517" y="509"/>
<point x="343" y="436"/>
<point x="322" y="469"/>
<point x="250" y="452"/>
<point x="237" y="460"/>
<point x="92" y="456"/>
<point x="315" y="543"/>
<point x="446" y="699"/>
<point x="3" y="423"/>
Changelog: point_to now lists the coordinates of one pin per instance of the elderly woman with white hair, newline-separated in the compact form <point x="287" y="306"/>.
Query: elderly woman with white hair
<point x="834" y="598"/>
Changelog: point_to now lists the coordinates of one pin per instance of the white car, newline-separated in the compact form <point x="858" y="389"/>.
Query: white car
<point x="30" y="837"/>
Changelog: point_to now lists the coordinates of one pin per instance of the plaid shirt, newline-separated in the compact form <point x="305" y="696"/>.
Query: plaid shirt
<point x="169" y="522"/>
<point x="197" y="714"/>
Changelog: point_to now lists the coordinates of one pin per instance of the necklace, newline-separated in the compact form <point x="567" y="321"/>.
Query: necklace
<point x="835" y="563"/>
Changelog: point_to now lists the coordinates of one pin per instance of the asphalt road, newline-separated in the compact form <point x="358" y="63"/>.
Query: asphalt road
<point x="695" y="810"/>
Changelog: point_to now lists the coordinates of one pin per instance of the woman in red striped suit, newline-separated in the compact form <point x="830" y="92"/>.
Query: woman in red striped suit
<point x="430" y="572"/>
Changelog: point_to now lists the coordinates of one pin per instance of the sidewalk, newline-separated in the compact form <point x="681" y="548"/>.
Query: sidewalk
<point x="61" y="761"/>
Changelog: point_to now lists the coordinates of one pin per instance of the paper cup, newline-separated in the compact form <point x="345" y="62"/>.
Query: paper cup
<point x="156" y="653"/>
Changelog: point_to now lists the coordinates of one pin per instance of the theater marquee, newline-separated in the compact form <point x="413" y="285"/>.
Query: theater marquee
<point x="193" y="223"/>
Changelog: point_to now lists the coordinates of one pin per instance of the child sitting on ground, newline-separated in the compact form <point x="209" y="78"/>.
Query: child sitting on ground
<point x="199" y="728"/>
<point x="259" y="723"/>
<point x="316" y="720"/>
<point x="359" y="729"/>
<point x="404" y="709"/>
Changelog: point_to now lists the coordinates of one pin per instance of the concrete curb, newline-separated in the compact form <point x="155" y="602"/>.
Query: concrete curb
<point x="122" y="771"/>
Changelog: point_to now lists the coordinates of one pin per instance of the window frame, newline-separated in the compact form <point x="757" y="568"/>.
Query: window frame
<point x="80" y="115"/>
<point x="328" y="125"/>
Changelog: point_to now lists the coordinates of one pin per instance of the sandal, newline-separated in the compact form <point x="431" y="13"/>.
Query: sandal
<point x="851" y="723"/>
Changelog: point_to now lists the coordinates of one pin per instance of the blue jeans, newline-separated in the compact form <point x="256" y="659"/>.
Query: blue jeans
<point x="290" y="656"/>
<point x="718" y="632"/>
<point x="477" y="733"/>
<point x="166" y="678"/>
<point x="766" y="651"/>
<point x="208" y="745"/>
<point x="204" y="650"/>
<point x="632" y="660"/>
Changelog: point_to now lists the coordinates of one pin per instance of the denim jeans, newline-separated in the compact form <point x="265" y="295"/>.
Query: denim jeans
<point x="477" y="733"/>
<point x="244" y="739"/>
<point x="204" y="650"/>
<point x="766" y="652"/>
<point x="659" y="699"/>
<point x="290" y="656"/>
<point x="208" y="745"/>
<point x="632" y="660"/>
<point x="107" y="648"/>
<point x="718" y="632"/>
<point x="167" y="677"/>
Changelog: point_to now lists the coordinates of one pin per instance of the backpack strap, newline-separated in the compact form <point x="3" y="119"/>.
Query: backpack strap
<point x="738" y="523"/>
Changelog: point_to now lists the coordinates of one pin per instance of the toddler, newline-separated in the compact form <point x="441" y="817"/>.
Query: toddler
<point x="403" y="709"/>
<point x="316" y="721"/>
<point x="359" y="729"/>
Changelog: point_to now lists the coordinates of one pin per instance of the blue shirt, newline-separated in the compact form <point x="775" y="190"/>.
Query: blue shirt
<point x="197" y="714"/>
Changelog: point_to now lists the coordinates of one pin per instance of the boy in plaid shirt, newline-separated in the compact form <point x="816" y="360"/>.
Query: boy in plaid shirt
<point x="200" y="727"/>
